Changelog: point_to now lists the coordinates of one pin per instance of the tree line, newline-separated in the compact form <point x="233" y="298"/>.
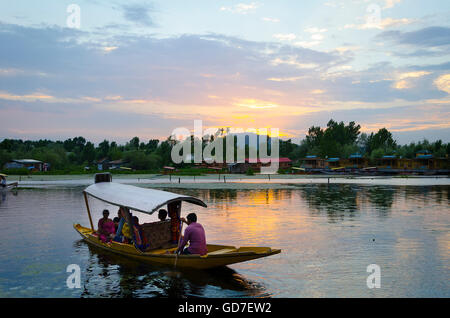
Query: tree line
<point x="337" y="139"/>
<point x="76" y="153"/>
<point x="341" y="140"/>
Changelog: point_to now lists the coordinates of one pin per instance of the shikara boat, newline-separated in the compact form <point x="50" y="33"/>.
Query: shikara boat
<point x="162" y="248"/>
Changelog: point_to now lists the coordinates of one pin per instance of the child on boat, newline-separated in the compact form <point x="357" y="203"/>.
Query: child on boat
<point x="162" y="215"/>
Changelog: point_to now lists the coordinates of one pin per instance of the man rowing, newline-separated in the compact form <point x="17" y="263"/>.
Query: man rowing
<point x="195" y="235"/>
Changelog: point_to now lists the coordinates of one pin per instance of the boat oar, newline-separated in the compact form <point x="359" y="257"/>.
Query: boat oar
<point x="178" y="245"/>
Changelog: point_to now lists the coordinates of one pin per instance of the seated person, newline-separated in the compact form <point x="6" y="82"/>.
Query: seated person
<point x="162" y="215"/>
<point x="118" y="237"/>
<point x="131" y="235"/>
<point x="195" y="235"/>
<point x="105" y="227"/>
<point x="127" y="236"/>
<point x="116" y="220"/>
<point x="140" y="239"/>
<point x="134" y="235"/>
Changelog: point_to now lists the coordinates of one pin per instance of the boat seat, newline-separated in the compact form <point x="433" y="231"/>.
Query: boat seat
<point x="158" y="234"/>
<point x="223" y="251"/>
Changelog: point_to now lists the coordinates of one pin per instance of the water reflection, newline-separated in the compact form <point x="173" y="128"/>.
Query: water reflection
<point x="224" y="197"/>
<point x="341" y="201"/>
<point x="382" y="198"/>
<point x="4" y="194"/>
<point x="326" y="234"/>
<point x="431" y="194"/>
<point x="336" y="201"/>
<point x="111" y="275"/>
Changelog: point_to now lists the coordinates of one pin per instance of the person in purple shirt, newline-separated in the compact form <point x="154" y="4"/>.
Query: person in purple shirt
<point x="195" y="235"/>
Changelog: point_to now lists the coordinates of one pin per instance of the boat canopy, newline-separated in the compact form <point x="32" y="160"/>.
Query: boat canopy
<point x="136" y="198"/>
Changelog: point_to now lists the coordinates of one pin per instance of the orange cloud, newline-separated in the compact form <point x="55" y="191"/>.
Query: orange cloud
<point x="443" y="83"/>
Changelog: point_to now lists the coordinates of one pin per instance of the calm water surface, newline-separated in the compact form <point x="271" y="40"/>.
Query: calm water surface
<point x="328" y="236"/>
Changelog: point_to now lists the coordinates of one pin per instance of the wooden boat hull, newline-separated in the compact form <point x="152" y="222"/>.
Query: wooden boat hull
<point x="218" y="255"/>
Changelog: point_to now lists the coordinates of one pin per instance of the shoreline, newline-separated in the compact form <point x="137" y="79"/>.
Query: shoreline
<point x="230" y="182"/>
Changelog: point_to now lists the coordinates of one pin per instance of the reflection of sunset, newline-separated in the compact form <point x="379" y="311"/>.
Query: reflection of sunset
<point x="259" y="216"/>
<point x="408" y="247"/>
<point x="444" y="247"/>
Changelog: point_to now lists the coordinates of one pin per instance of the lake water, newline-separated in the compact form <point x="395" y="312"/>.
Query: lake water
<point x="328" y="234"/>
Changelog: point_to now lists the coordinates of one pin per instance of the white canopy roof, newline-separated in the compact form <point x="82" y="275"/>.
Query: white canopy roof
<point x="136" y="198"/>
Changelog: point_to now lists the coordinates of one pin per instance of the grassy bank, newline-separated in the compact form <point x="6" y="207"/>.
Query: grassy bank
<point x="178" y="172"/>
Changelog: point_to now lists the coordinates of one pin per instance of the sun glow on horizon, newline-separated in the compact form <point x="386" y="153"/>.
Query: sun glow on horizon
<point x="255" y="103"/>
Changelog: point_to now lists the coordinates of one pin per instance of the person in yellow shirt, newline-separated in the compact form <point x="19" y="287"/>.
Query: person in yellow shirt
<point x="126" y="232"/>
<point x="123" y="233"/>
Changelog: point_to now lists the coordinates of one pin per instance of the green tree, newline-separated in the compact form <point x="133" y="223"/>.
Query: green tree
<point x="140" y="161"/>
<point x="103" y="149"/>
<point x="330" y="142"/>
<point x="88" y="153"/>
<point x="164" y="151"/>
<point x="382" y="139"/>
<point x="377" y="154"/>
<point x="5" y="157"/>
<point x="134" y="143"/>
<point x="314" y="136"/>
<point x="152" y="145"/>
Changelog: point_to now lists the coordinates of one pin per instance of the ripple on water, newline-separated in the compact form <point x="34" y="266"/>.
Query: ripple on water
<point x="328" y="236"/>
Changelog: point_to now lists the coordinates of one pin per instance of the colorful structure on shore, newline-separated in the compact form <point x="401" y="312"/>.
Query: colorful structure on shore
<point x="29" y="164"/>
<point x="423" y="163"/>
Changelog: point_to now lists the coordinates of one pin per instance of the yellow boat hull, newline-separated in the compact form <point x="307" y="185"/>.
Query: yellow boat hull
<point x="218" y="255"/>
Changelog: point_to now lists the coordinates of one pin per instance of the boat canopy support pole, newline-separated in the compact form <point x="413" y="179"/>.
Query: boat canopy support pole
<point x="174" y="209"/>
<point x="88" y="210"/>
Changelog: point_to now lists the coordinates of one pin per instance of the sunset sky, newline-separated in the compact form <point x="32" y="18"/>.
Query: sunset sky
<point x="144" y="68"/>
